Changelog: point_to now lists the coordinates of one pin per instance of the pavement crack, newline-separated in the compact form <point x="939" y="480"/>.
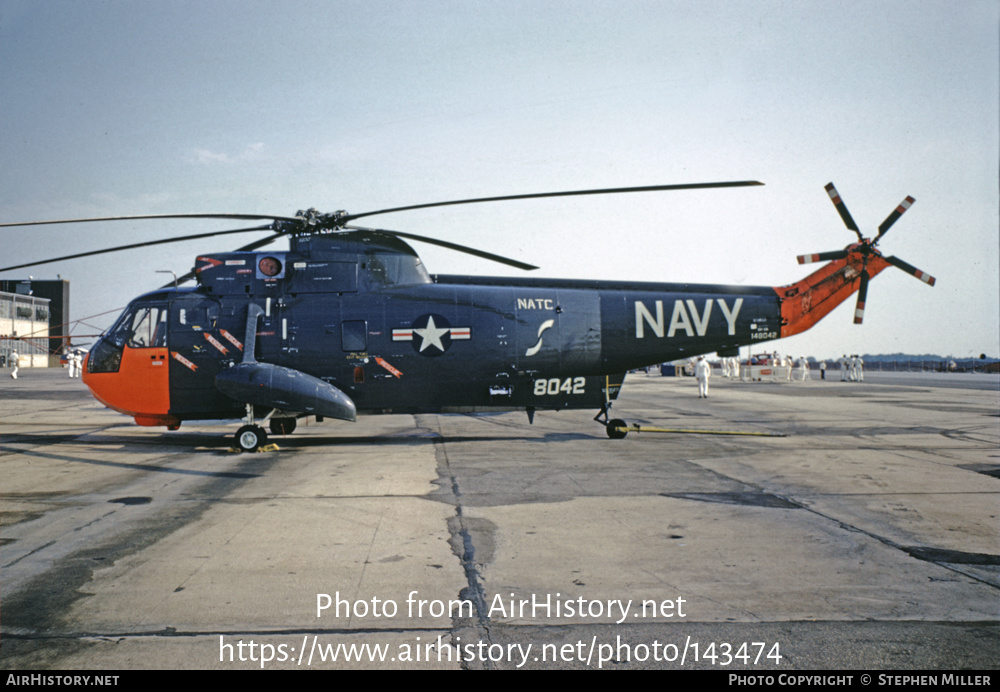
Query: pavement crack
<point x="464" y="548"/>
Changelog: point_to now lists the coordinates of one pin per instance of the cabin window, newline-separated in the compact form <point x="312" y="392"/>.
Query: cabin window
<point x="196" y="315"/>
<point x="354" y="335"/>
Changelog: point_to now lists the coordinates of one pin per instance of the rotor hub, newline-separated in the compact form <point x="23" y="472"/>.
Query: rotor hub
<point x="867" y="248"/>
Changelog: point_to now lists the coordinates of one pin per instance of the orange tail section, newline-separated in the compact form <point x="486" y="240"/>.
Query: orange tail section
<point x="806" y="302"/>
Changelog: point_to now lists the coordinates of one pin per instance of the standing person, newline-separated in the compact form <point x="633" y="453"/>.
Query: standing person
<point x="860" y="368"/>
<point x="14" y="360"/>
<point x="822" y="370"/>
<point x="702" y="371"/>
<point x="843" y="367"/>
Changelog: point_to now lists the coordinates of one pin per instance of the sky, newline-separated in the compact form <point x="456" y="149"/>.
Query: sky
<point x="117" y="107"/>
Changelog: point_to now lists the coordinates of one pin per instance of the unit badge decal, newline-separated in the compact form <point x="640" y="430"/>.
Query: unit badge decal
<point x="431" y="335"/>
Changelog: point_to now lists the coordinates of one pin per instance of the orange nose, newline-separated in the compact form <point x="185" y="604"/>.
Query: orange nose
<point x="140" y="388"/>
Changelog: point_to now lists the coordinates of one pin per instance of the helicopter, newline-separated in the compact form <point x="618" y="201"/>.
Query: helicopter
<point x="349" y="321"/>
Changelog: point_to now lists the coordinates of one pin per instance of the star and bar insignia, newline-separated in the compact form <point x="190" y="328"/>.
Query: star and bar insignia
<point x="431" y="334"/>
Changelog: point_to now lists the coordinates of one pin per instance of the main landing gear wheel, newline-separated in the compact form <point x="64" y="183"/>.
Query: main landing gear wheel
<point x="282" y="426"/>
<point x="250" y="437"/>
<point x="617" y="429"/>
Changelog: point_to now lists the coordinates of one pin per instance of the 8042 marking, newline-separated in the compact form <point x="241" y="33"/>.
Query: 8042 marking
<point x="555" y="385"/>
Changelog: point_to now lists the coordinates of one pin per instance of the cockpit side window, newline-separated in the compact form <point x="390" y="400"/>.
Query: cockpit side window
<point x="148" y="328"/>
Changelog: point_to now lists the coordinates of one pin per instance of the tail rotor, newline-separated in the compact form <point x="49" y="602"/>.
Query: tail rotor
<point x="865" y="249"/>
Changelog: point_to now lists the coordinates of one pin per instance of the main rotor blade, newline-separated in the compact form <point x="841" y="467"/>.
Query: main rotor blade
<point x="893" y="217"/>
<point x="568" y="193"/>
<point x="859" y="309"/>
<point x="242" y="217"/>
<point x="162" y="241"/>
<point x="451" y="246"/>
<point x="259" y="243"/>
<point x="910" y="269"/>
<point x="822" y="256"/>
<point x="842" y="208"/>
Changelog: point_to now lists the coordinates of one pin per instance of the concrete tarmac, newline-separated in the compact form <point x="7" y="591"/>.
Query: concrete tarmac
<point x="867" y="538"/>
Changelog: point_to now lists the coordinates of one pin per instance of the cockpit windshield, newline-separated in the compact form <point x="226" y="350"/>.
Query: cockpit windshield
<point x="140" y="326"/>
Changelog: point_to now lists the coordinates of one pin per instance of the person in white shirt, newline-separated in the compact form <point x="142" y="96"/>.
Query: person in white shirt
<point x="702" y="371"/>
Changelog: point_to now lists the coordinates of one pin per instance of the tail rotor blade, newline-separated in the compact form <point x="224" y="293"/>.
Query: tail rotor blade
<point x="910" y="269"/>
<point x="822" y="256"/>
<point x="842" y="208"/>
<point x="859" y="309"/>
<point x="894" y="216"/>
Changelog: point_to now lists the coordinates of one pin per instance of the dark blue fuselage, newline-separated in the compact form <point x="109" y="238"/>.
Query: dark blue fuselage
<point x="358" y="311"/>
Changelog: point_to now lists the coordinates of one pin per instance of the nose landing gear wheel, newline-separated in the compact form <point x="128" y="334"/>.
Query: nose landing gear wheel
<point x="250" y="437"/>
<point x="617" y="429"/>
